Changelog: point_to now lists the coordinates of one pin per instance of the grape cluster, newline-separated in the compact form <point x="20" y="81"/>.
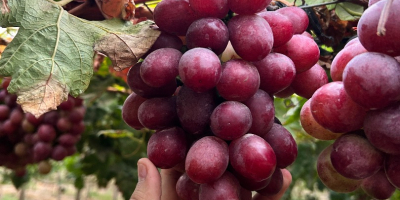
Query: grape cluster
<point x="360" y="110"/>
<point x="25" y="139"/>
<point x="212" y="106"/>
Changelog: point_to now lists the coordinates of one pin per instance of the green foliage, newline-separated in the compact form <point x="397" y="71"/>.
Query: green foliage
<point x="344" y="10"/>
<point x="109" y="149"/>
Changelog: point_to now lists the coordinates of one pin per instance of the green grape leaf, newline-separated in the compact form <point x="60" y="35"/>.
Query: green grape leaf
<point x="347" y="11"/>
<point x="52" y="54"/>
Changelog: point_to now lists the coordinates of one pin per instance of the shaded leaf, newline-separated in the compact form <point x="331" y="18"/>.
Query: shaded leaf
<point x="348" y="11"/>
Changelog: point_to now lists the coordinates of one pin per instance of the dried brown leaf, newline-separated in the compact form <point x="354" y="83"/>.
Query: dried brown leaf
<point x="44" y="97"/>
<point x="125" y="50"/>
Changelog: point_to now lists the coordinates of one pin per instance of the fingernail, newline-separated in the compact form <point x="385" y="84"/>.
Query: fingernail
<point x="142" y="171"/>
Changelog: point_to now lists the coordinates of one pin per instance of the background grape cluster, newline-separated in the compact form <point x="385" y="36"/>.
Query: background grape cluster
<point x="26" y="139"/>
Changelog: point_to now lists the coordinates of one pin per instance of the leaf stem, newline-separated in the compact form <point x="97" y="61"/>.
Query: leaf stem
<point x="63" y="2"/>
<point x="383" y="18"/>
<point x="320" y="4"/>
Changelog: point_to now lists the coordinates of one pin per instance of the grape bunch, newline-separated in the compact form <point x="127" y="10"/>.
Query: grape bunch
<point x="360" y="110"/>
<point x="207" y="88"/>
<point x="25" y="139"/>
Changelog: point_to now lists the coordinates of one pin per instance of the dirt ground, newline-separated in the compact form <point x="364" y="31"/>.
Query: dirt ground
<point x="42" y="190"/>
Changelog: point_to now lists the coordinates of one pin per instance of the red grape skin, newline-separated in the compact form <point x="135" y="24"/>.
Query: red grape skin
<point x="307" y="82"/>
<point x="363" y="80"/>
<point x="252" y="157"/>
<point x="4" y="112"/>
<point x="354" y="157"/>
<point x="343" y="57"/>
<point x="67" y="140"/>
<point x="239" y="81"/>
<point x="208" y="33"/>
<point x="16" y="116"/>
<point x="277" y="72"/>
<point x="378" y="186"/>
<point x="392" y="169"/>
<point x="46" y="133"/>
<point x="247" y="6"/>
<point x="200" y="69"/>
<point x="287" y="92"/>
<point x="130" y="110"/>
<point x="251" y="36"/>
<point x="41" y="151"/>
<point x="138" y="86"/>
<point x="367" y="29"/>
<point x="281" y="26"/>
<point x="166" y="40"/>
<point x="77" y="128"/>
<point x="76" y="115"/>
<point x="225" y="187"/>
<point x="166" y="148"/>
<point x="194" y="109"/>
<point x="207" y="159"/>
<point x="382" y="130"/>
<point x="283" y="144"/>
<point x="312" y="127"/>
<point x="298" y="17"/>
<point x="160" y="67"/>
<point x="250" y="184"/>
<point x="230" y="120"/>
<point x="334" y="110"/>
<point x="330" y="177"/>
<point x="352" y="41"/>
<point x="158" y="113"/>
<point x="174" y="16"/>
<point x="261" y="106"/>
<point x="186" y="188"/>
<point x="274" y="186"/>
<point x="68" y="104"/>
<point x="59" y="153"/>
<point x="302" y="50"/>
<point x="64" y="124"/>
<point x="210" y="8"/>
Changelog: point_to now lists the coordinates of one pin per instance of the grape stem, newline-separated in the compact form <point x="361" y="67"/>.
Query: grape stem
<point x="383" y="18"/>
<point x="63" y="2"/>
<point x="4" y="7"/>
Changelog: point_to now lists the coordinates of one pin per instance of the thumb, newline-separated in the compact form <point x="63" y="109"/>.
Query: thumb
<point x="149" y="184"/>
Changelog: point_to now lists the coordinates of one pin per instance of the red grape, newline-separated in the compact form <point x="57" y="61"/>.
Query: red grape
<point x="302" y="50"/>
<point x="230" y="120"/>
<point x="277" y="72"/>
<point x="166" y="148"/>
<point x="363" y="80"/>
<point x="330" y="177"/>
<point x="368" y="25"/>
<point x="207" y="160"/>
<point x="281" y="26"/>
<point x="239" y="81"/>
<point x="200" y="69"/>
<point x="208" y="33"/>
<point x="355" y="158"/>
<point x="251" y="36"/>
<point x="334" y="110"/>
<point x="252" y="157"/>
<point x="210" y="8"/>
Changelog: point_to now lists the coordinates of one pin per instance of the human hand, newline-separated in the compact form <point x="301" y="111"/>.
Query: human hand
<point x="153" y="185"/>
